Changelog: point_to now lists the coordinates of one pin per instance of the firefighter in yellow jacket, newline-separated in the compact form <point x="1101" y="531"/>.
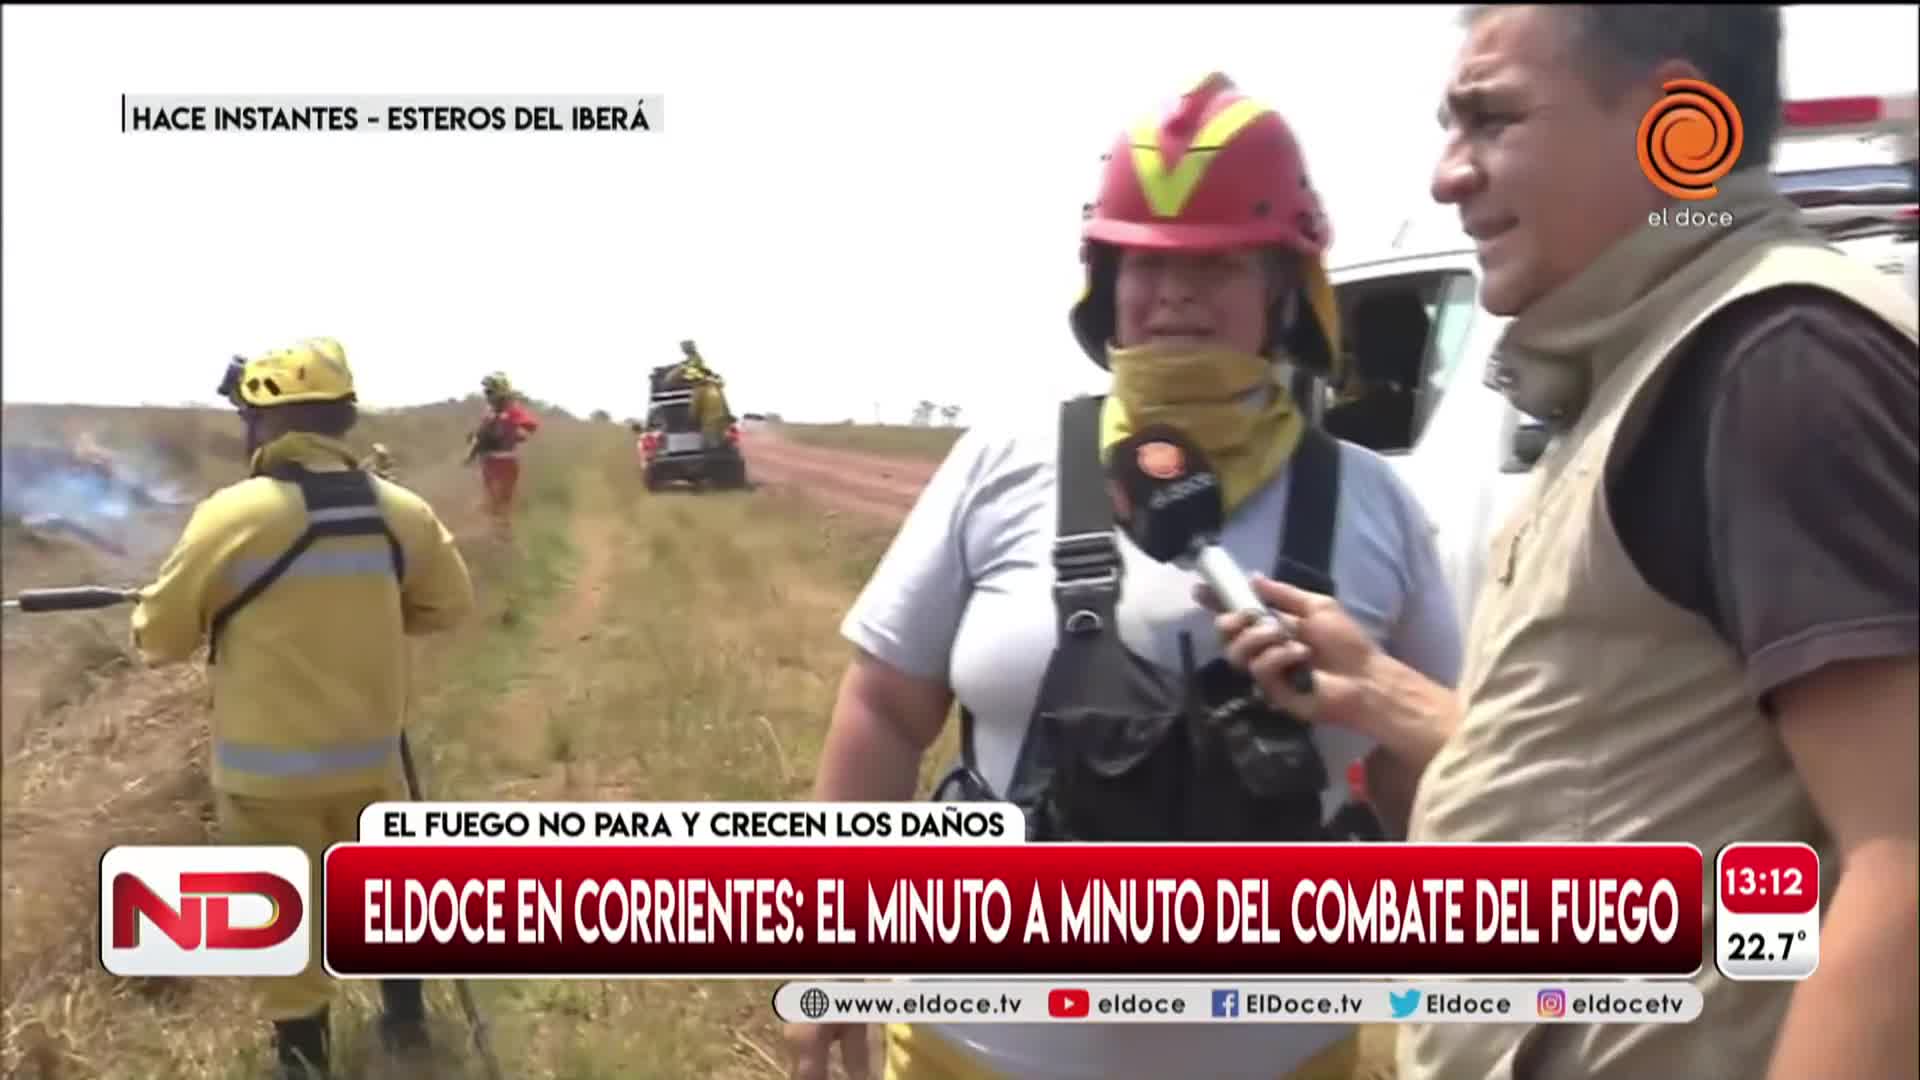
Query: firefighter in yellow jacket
<point x="710" y="412"/>
<point x="304" y="581"/>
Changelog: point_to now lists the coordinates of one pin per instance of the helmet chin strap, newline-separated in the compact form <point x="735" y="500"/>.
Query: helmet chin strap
<point x="1289" y="310"/>
<point x="1285" y="315"/>
<point x="250" y="423"/>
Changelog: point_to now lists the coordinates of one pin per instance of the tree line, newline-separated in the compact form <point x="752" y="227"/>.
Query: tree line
<point x="924" y="412"/>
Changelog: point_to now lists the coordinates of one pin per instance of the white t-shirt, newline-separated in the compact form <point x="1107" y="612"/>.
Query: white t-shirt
<point x="964" y="596"/>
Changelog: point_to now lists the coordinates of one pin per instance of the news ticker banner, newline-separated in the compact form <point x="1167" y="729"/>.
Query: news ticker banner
<point x="763" y="911"/>
<point x="1616" y="1001"/>
<point x="841" y="890"/>
<point x="417" y="114"/>
<point x="755" y="823"/>
<point x="771" y="890"/>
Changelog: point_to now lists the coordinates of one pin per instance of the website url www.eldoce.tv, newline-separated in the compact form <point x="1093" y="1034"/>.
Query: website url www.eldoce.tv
<point x="1039" y="1002"/>
<point x="918" y="1003"/>
<point x="1032" y="1001"/>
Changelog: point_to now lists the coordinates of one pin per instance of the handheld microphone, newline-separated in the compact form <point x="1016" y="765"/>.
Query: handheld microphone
<point x="1167" y="497"/>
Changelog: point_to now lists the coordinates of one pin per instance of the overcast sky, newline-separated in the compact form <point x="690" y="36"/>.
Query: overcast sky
<point x="850" y="208"/>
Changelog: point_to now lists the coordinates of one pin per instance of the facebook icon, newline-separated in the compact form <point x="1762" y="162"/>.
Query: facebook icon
<point x="1226" y="1003"/>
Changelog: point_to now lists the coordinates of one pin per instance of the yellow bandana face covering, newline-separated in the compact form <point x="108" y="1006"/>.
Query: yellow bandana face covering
<point x="1230" y="403"/>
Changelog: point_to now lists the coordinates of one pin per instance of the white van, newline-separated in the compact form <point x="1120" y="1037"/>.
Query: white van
<point x="1849" y="163"/>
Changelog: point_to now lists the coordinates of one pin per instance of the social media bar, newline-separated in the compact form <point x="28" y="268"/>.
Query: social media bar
<point x="1024" y="1001"/>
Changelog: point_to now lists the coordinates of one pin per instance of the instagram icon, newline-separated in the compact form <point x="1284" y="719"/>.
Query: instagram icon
<point x="1553" y="1004"/>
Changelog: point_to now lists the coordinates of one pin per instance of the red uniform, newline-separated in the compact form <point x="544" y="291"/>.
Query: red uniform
<point x="500" y="467"/>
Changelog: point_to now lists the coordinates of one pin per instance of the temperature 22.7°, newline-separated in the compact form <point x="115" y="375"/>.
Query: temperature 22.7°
<point x="1757" y="948"/>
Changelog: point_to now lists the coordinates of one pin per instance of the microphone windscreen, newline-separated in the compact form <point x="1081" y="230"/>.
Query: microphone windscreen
<point x="1165" y="492"/>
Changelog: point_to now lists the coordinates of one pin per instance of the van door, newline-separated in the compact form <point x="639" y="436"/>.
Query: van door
<point x="1413" y="328"/>
<point x="1404" y="337"/>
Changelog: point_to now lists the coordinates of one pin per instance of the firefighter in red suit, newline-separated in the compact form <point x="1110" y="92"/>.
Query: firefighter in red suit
<point x="497" y="443"/>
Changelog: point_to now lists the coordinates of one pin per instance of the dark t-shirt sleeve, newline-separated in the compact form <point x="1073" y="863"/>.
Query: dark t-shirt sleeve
<point x="1812" y="497"/>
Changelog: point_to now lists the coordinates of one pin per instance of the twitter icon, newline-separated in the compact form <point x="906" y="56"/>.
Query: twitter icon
<point x="1403" y="1003"/>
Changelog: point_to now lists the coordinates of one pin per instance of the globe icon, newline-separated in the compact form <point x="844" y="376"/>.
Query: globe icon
<point x="813" y="1003"/>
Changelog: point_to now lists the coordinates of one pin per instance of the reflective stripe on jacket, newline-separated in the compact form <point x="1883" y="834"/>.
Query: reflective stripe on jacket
<point x="272" y="761"/>
<point x="310" y="681"/>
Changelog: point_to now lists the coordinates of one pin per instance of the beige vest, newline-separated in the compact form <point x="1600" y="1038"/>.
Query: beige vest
<point x="1598" y="711"/>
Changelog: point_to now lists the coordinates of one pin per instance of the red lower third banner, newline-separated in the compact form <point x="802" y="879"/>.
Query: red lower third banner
<point x="1044" y="909"/>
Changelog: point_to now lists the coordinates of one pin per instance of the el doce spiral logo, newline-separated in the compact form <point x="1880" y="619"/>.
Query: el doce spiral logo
<point x="1690" y="139"/>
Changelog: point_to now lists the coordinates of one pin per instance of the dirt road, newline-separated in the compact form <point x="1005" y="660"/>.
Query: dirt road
<point x="844" y="479"/>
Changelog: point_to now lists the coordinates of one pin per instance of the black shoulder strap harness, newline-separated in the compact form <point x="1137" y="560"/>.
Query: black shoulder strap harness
<point x="342" y="503"/>
<point x="1087" y="562"/>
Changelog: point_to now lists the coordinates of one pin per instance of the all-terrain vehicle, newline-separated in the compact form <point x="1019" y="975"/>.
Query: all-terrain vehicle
<point x="681" y="441"/>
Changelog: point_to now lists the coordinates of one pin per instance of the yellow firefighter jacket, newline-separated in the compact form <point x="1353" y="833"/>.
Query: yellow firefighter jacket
<point x="309" y="678"/>
<point x="710" y="412"/>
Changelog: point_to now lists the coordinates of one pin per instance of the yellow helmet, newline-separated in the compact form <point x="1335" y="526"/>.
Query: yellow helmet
<point x="314" y="370"/>
<point x="496" y="383"/>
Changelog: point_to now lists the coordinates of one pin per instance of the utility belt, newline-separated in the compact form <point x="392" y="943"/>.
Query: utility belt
<point x="1117" y="751"/>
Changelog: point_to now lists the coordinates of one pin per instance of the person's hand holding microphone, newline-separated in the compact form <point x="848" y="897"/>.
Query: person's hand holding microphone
<point x="1311" y="630"/>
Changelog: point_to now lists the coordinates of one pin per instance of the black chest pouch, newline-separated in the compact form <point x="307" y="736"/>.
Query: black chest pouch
<point x="1119" y="750"/>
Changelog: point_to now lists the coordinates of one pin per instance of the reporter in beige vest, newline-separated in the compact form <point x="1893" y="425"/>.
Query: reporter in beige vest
<point x="1700" y="623"/>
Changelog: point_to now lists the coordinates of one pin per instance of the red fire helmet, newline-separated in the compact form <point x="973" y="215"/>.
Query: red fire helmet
<point x="1217" y="171"/>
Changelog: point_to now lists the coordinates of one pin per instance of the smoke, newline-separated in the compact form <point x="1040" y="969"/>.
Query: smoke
<point x="90" y="493"/>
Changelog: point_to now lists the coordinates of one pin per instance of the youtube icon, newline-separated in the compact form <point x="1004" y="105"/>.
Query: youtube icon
<point x="1068" y="1003"/>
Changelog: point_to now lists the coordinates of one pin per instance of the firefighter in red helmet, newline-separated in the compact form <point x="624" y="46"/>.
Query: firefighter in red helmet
<point x="1220" y="173"/>
<point x="1206" y="300"/>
